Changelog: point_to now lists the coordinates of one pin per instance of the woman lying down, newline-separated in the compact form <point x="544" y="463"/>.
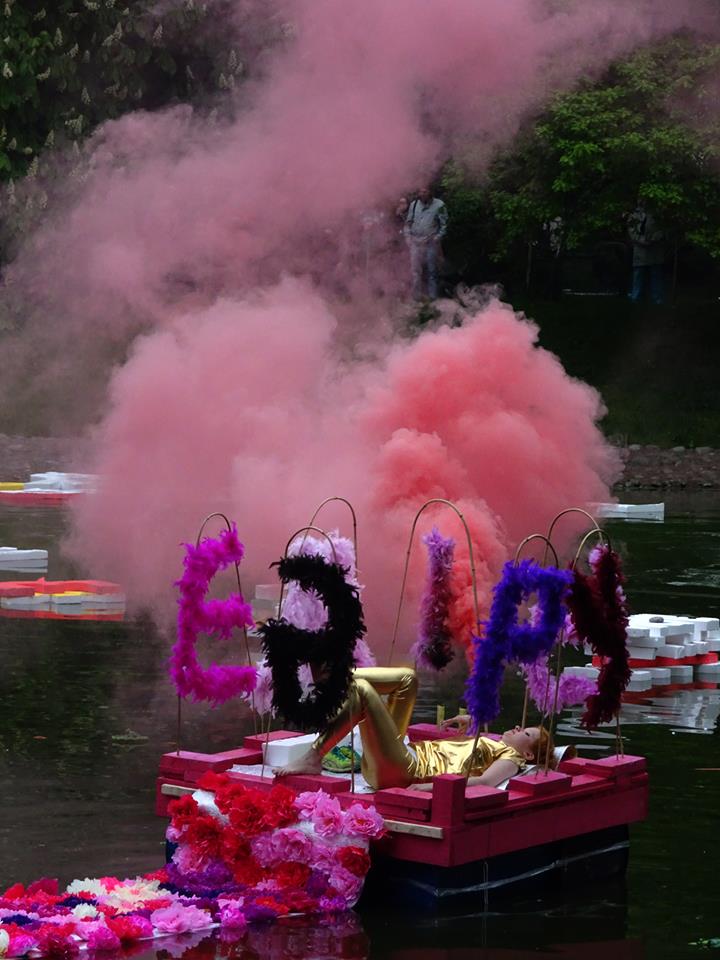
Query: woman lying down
<point x="388" y="762"/>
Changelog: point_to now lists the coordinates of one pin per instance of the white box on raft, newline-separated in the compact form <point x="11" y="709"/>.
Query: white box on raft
<point x="713" y="645"/>
<point x="16" y="555"/>
<point x="641" y="637"/>
<point x="590" y="672"/>
<point x="39" y="601"/>
<point x="674" y="651"/>
<point x="639" y="680"/>
<point x="642" y="653"/>
<point x="708" y="671"/>
<point x="278" y="753"/>
<point x="660" y="676"/>
<point x="629" y="511"/>
<point x="682" y="673"/>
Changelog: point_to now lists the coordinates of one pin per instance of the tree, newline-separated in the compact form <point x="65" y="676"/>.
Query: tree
<point x="647" y="128"/>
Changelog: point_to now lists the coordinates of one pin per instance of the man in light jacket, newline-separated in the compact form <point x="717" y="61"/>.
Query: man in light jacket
<point x="425" y="226"/>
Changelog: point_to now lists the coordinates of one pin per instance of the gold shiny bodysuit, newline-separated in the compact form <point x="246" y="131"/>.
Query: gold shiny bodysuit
<point x="386" y="761"/>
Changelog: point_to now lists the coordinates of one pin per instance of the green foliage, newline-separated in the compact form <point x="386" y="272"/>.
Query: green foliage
<point x="648" y="128"/>
<point x="67" y="65"/>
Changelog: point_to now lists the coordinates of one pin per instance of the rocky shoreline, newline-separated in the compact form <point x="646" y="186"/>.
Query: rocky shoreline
<point x="646" y="467"/>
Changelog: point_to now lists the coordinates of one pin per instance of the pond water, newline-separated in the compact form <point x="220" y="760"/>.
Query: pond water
<point x="86" y="710"/>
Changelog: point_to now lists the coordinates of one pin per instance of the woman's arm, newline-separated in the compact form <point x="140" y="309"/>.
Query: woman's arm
<point x="497" y="772"/>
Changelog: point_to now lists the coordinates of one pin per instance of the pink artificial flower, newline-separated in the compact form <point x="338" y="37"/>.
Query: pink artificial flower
<point x="361" y="821"/>
<point x="179" y="919"/>
<point x="186" y="859"/>
<point x="327" y="816"/>
<point x="291" y="844"/>
<point x="347" y="885"/>
<point x="323" y="856"/>
<point x="232" y="916"/>
<point x="101" y="938"/>
<point x="20" y="944"/>
<point x="263" y="849"/>
<point x="305" y="803"/>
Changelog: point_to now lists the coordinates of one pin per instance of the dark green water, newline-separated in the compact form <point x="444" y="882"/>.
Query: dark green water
<point x="78" y="801"/>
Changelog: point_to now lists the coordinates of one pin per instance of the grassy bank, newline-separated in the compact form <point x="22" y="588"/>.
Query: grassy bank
<point x="656" y="367"/>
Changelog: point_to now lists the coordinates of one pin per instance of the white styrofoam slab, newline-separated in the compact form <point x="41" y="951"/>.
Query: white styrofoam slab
<point x="39" y="601"/>
<point x="708" y="671"/>
<point x="713" y="646"/>
<point x="660" y="676"/>
<point x="278" y="753"/>
<point x="15" y="553"/>
<point x="674" y="651"/>
<point x="629" y="511"/>
<point x="682" y="673"/>
<point x="642" y="653"/>
<point x="592" y="673"/>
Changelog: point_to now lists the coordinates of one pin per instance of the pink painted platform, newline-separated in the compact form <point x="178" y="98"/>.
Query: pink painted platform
<point x="452" y="826"/>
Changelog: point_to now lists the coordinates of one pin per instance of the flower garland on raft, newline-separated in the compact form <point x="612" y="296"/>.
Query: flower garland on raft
<point x="267" y="854"/>
<point x="572" y="690"/>
<point x="286" y="647"/>
<point x="241" y="857"/>
<point x="598" y="608"/>
<point x="196" y="615"/>
<point x="506" y="639"/>
<point x="433" y="648"/>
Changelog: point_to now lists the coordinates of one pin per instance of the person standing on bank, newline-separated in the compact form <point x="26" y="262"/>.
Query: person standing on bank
<point x="648" y="254"/>
<point x="425" y="226"/>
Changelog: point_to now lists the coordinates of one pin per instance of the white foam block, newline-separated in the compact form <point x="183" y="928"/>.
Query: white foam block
<point x="639" y="681"/>
<point x="642" y="653"/>
<point x="278" y="753"/>
<point x="40" y="601"/>
<point x="682" y="673"/>
<point x="590" y="672"/>
<point x="15" y="554"/>
<point x="674" y="651"/>
<point x="630" y="511"/>
<point x="660" y="676"/>
<point x="708" y="671"/>
<point x="713" y="645"/>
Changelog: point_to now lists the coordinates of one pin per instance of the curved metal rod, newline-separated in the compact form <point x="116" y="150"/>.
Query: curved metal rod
<point x="564" y="513"/>
<point x="354" y="519"/>
<point x="212" y="516"/>
<point x="287" y="547"/>
<point x="447" y="503"/>
<point x="536" y="536"/>
<point x="590" y="533"/>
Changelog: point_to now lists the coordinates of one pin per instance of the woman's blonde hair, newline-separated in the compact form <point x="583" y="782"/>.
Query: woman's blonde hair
<point x="543" y="747"/>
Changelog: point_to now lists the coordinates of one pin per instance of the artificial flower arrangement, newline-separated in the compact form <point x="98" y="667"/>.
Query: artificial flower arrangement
<point x="267" y="854"/>
<point x="433" y="649"/>
<point x="242" y="856"/>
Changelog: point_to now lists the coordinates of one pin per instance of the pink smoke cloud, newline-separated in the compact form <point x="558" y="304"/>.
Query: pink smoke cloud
<point x="193" y="275"/>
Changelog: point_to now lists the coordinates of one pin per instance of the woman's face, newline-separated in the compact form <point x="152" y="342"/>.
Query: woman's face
<point x="523" y="739"/>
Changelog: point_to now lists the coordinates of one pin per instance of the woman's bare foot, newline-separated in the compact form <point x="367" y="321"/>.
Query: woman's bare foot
<point x="309" y="762"/>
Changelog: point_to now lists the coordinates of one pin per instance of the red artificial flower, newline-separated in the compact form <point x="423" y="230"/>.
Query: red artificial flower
<point x="248" y="872"/>
<point x="298" y="901"/>
<point x="291" y="874"/>
<point x="129" y="927"/>
<point x="280" y="809"/>
<point x="233" y="846"/>
<point x="55" y="941"/>
<point x="160" y="875"/>
<point x="47" y="885"/>
<point x="158" y="904"/>
<point x="246" y="815"/>
<point x="15" y="892"/>
<point x="355" y="860"/>
<point x="270" y="903"/>
<point x="213" y="781"/>
<point x="182" y="811"/>
<point x="204" y="835"/>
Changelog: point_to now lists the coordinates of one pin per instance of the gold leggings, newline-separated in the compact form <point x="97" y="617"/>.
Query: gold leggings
<point x="386" y="761"/>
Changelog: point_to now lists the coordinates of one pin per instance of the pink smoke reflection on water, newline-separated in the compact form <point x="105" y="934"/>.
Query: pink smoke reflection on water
<point x="243" y="407"/>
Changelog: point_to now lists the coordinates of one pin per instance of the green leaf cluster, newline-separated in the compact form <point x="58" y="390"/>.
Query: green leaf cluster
<point x="68" y="65"/>
<point x="648" y="128"/>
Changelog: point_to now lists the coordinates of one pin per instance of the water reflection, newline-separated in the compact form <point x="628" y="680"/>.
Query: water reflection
<point x="684" y="711"/>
